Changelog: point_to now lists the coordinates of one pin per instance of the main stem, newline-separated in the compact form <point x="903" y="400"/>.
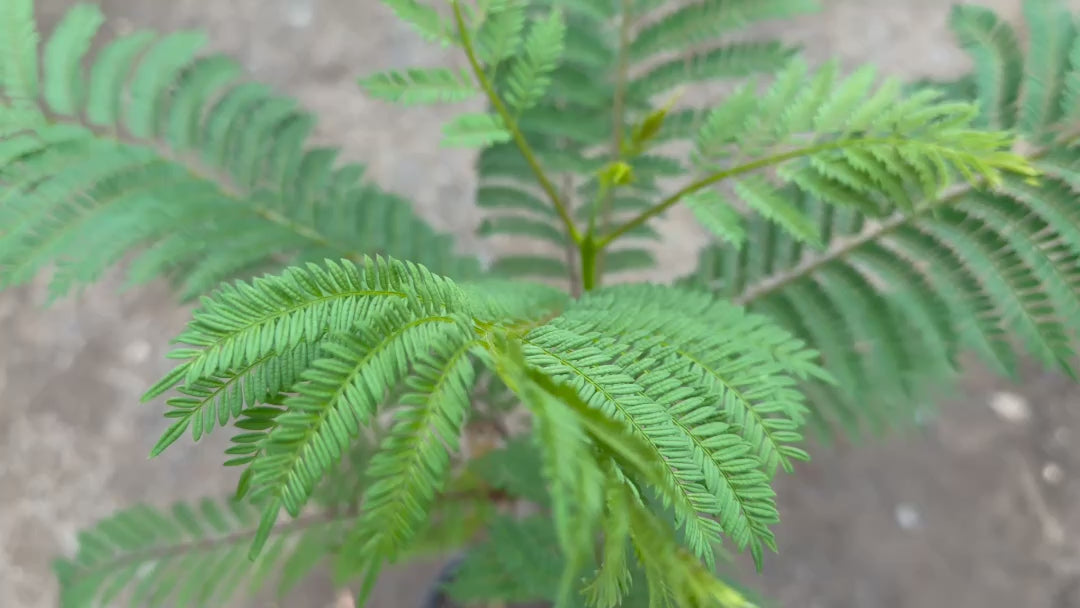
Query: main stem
<point x="511" y="125"/>
<point x="589" y="251"/>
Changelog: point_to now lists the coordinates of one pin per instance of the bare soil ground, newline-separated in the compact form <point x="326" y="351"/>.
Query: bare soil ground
<point x="978" y="509"/>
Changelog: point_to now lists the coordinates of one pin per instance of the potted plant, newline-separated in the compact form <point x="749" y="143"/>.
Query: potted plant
<point x="580" y="439"/>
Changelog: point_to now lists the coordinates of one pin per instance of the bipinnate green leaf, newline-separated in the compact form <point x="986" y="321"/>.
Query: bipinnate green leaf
<point x="64" y="86"/>
<point x="421" y="86"/>
<point x="424" y="19"/>
<point x="474" y="131"/>
<point x="717" y="215"/>
<point x="764" y="199"/>
<point x="530" y="73"/>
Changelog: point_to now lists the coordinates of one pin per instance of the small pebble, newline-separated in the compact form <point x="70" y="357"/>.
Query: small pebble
<point x="907" y="516"/>
<point x="136" y="352"/>
<point x="1052" y="473"/>
<point x="1010" y="407"/>
<point x="299" y="13"/>
<point x="344" y="600"/>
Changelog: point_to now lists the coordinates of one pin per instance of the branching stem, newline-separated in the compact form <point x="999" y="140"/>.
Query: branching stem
<point x="760" y="163"/>
<point x="571" y="249"/>
<point x="736" y="171"/>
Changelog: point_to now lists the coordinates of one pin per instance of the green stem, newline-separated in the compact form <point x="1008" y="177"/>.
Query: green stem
<point x="571" y="250"/>
<point x="511" y="125"/>
<point x="708" y="180"/>
<point x="589" y="249"/>
<point x="719" y="176"/>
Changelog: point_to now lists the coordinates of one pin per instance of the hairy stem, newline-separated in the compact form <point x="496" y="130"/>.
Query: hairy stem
<point x="511" y="125"/>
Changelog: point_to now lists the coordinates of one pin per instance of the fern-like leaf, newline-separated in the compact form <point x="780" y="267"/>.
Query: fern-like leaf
<point x="424" y="19"/>
<point x="905" y="285"/>
<point x="540" y="54"/>
<point x="189" y="555"/>
<point x="843" y="142"/>
<point x="642" y="380"/>
<point x="417" y="86"/>
<point x="519" y="563"/>
<point x="216" y="400"/>
<point x="181" y="157"/>
<point x="730" y="61"/>
<point x="550" y="64"/>
<point x="1052" y="32"/>
<point x="513" y="302"/>
<point x="19" y="67"/>
<point x="999" y="64"/>
<point x="65" y="85"/>
<point x="413" y="462"/>
<point x="500" y="34"/>
<point x="244" y="322"/>
<point x="705" y="20"/>
<point x="474" y="131"/>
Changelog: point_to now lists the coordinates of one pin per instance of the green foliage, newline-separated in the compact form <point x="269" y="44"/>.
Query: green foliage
<point x="413" y="461"/>
<point x="530" y="76"/>
<point x="642" y="388"/>
<point x="914" y="283"/>
<point x="217" y="398"/>
<point x="471" y="130"/>
<point x="556" y="66"/>
<point x="999" y="63"/>
<point x="515" y="469"/>
<point x="718" y="216"/>
<point x="423" y="19"/>
<point x="667" y="380"/>
<point x="703" y="22"/>
<point x="419" y="86"/>
<point x="183" y="158"/>
<point x="368" y="322"/>
<point x="520" y="562"/>
<point x="842" y="141"/>
<point x="18" y="69"/>
<point x="869" y="234"/>
<point x="191" y="554"/>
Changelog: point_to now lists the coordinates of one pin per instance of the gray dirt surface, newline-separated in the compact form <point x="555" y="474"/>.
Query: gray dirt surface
<point x="978" y="509"/>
